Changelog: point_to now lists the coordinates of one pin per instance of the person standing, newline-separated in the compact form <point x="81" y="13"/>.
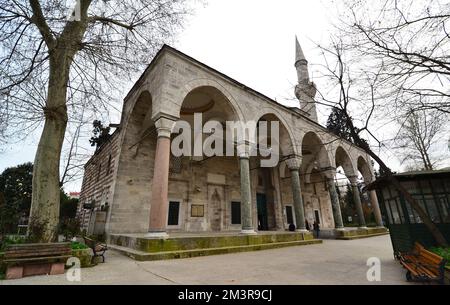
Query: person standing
<point x="316" y="227"/>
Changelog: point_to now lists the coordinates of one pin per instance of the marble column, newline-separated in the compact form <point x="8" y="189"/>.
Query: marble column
<point x="357" y="200"/>
<point x="376" y="208"/>
<point x="294" y="167"/>
<point x="335" y="204"/>
<point x="160" y="183"/>
<point x="243" y="150"/>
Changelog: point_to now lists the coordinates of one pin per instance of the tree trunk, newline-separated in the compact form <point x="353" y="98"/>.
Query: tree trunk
<point x="45" y="201"/>
<point x="44" y="212"/>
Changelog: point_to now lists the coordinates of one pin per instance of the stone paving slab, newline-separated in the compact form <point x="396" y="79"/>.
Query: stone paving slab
<point x="333" y="262"/>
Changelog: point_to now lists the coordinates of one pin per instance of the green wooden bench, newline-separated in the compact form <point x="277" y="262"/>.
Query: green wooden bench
<point x="36" y="259"/>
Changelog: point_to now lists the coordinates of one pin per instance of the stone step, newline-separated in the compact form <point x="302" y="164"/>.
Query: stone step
<point x="361" y="236"/>
<point x="145" y="256"/>
<point x="195" y="242"/>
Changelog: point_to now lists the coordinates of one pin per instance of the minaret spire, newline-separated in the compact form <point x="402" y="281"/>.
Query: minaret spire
<point x="305" y="90"/>
<point x="299" y="56"/>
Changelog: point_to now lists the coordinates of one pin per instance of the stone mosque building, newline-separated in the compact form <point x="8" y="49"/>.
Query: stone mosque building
<point x="134" y="185"/>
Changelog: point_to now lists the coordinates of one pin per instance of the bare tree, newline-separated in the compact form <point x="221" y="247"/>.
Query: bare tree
<point x="419" y="133"/>
<point x="410" y="39"/>
<point x="52" y="66"/>
<point x="357" y="89"/>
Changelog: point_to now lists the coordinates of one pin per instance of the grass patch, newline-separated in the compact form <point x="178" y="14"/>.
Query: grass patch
<point x="444" y="252"/>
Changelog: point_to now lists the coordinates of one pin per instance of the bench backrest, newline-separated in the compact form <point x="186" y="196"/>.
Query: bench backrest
<point x="37" y="250"/>
<point x="433" y="262"/>
<point x="90" y="242"/>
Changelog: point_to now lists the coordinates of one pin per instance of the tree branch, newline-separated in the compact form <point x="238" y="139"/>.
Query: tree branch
<point x="129" y="27"/>
<point x="39" y="20"/>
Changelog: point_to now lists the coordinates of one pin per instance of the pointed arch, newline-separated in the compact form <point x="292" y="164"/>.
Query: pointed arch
<point x="213" y="86"/>
<point x="365" y="170"/>
<point x="315" y="154"/>
<point x="285" y="138"/>
<point x="342" y="158"/>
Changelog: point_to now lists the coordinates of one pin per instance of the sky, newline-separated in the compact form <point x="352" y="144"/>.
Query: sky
<point x="252" y="41"/>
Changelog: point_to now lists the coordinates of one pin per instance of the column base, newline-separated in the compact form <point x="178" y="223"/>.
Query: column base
<point x="248" y="232"/>
<point x="363" y="227"/>
<point x="157" y="235"/>
<point x="340" y="229"/>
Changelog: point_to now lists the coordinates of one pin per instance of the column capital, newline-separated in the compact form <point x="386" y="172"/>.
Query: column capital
<point x="353" y="180"/>
<point x="294" y="162"/>
<point x="328" y="172"/>
<point x="244" y="149"/>
<point x="164" y="126"/>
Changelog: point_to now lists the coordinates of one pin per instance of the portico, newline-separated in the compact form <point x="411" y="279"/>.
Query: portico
<point x="153" y="189"/>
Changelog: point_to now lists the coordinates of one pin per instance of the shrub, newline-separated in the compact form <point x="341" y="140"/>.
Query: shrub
<point x="69" y="227"/>
<point x="78" y="246"/>
<point x="11" y="240"/>
<point x="444" y="252"/>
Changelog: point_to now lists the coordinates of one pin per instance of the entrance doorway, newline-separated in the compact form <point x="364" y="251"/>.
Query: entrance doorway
<point x="215" y="207"/>
<point x="317" y="216"/>
<point x="261" y="202"/>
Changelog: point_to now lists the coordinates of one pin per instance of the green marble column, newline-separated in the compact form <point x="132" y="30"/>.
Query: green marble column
<point x="336" y="207"/>
<point x="298" y="201"/>
<point x="357" y="199"/>
<point x="246" y="197"/>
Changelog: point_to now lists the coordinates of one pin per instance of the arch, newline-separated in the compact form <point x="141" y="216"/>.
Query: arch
<point x="137" y="156"/>
<point x="280" y="117"/>
<point x="139" y="120"/>
<point x="286" y="139"/>
<point x="315" y="155"/>
<point x="313" y="148"/>
<point x="209" y="101"/>
<point x="199" y="83"/>
<point x="342" y="158"/>
<point x="365" y="170"/>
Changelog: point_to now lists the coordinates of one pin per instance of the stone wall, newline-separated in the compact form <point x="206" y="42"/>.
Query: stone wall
<point x="213" y="183"/>
<point x="97" y="181"/>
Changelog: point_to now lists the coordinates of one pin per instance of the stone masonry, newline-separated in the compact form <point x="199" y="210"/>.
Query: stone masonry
<point x="197" y="194"/>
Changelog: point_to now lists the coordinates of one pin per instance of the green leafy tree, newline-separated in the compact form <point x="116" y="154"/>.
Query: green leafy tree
<point x="350" y="208"/>
<point x="68" y="207"/>
<point x="336" y="123"/>
<point x="101" y="134"/>
<point x="15" y="195"/>
<point x="15" y="198"/>
<point x="69" y="224"/>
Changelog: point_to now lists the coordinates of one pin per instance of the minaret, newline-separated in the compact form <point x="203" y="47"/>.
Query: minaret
<point x="305" y="90"/>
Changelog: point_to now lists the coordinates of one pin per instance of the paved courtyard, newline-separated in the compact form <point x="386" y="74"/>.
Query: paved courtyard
<point x="333" y="262"/>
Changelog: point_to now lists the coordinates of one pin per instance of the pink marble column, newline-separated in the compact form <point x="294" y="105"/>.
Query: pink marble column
<point x="376" y="208"/>
<point x="160" y="184"/>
